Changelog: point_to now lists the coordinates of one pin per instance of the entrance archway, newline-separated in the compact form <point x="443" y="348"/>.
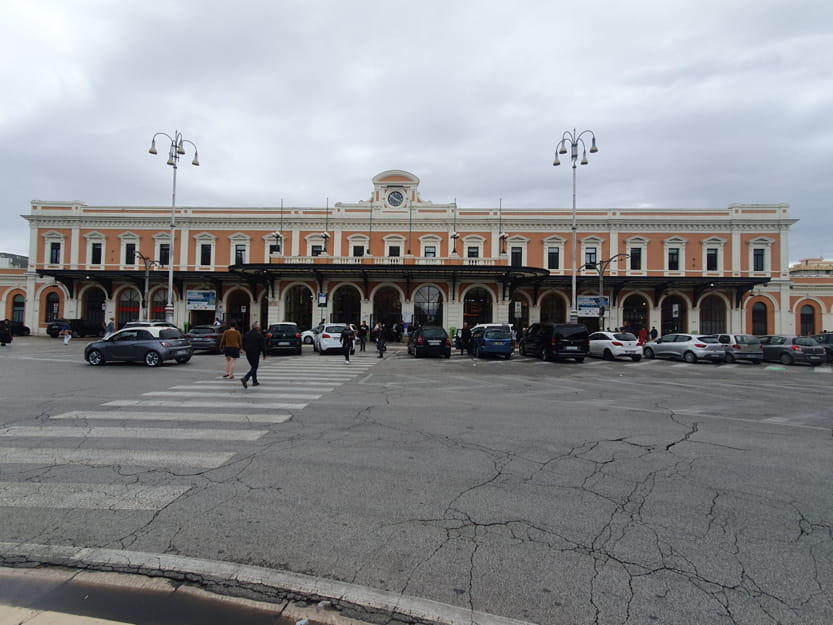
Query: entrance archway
<point x="674" y="315"/>
<point x="553" y="309"/>
<point x="808" y="320"/>
<point x="519" y="322"/>
<point x="760" y="315"/>
<point x="347" y="306"/>
<point x="128" y="308"/>
<point x="712" y="315"/>
<point x="239" y="310"/>
<point x="387" y="307"/>
<point x="298" y="306"/>
<point x="634" y="313"/>
<point x="94" y="303"/>
<point x="18" y="308"/>
<point x="477" y="306"/>
<point x="428" y="306"/>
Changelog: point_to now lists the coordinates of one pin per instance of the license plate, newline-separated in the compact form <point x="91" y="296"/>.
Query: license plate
<point x="281" y="343"/>
<point x="182" y="352"/>
<point x="571" y="348"/>
<point x="433" y="342"/>
<point x="630" y="351"/>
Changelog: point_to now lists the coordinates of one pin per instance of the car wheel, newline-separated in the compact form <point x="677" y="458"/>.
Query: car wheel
<point x="308" y="340"/>
<point x="636" y="358"/>
<point x="447" y="354"/>
<point x="478" y="353"/>
<point x="649" y="353"/>
<point x="95" y="358"/>
<point x="320" y="352"/>
<point x="786" y="359"/>
<point x="542" y="353"/>
<point x="508" y="356"/>
<point x="607" y="355"/>
<point x="182" y="360"/>
<point x="690" y="358"/>
<point x="152" y="359"/>
<point x="730" y="357"/>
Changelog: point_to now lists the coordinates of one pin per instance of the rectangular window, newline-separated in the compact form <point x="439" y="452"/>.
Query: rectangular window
<point x="553" y="258"/>
<point x="758" y="259"/>
<point x="205" y="254"/>
<point x="590" y="256"/>
<point x="517" y="254"/>
<point x="636" y="258"/>
<point x="358" y="250"/>
<point x="164" y="253"/>
<point x="430" y="251"/>
<point x="240" y="254"/>
<point x="129" y="253"/>
<point x="316" y="250"/>
<point x="274" y="248"/>
<point x="711" y="259"/>
<point x="95" y="256"/>
<point x="473" y="251"/>
<point x="55" y="253"/>
<point x="673" y="259"/>
<point x="393" y="250"/>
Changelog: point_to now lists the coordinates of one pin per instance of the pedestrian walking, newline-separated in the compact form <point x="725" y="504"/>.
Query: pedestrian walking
<point x="381" y="346"/>
<point x="66" y="332"/>
<point x="230" y="344"/>
<point x="465" y="338"/>
<point x="348" y="338"/>
<point x="362" y="333"/>
<point x="654" y="333"/>
<point x="254" y="344"/>
<point x="111" y="327"/>
<point x="643" y="336"/>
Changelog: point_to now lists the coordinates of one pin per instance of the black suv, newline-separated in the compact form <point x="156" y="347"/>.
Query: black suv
<point x="80" y="327"/>
<point x="549" y="341"/>
<point x="284" y="338"/>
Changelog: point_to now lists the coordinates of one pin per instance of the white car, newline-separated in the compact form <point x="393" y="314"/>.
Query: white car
<point x="308" y="336"/>
<point x="328" y="338"/>
<point x="613" y="345"/>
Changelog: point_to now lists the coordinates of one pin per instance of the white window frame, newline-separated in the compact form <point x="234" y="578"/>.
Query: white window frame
<point x="96" y="237"/>
<point x="238" y="238"/>
<point x="587" y="243"/>
<point x="394" y="240"/>
<point x="317" y="239"/>
<point x="48" y="239"/>
<point x="766" y="245"/>
<point x="720" y="245"/>
<point x="126" y="239"/>
<point x="473" y="240"/>
<point x="640" y="243"/>
<point x="430" y="241"/>
<point x="516" y="241"/>
<point x="558" y="242"/>
<point x="205" y="238"/>
<point x="160" y="239"/>
<point x="679" y="243"/>
<point x="357" y="239"/>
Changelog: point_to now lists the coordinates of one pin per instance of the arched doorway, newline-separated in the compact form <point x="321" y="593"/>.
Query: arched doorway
<point x="634" y="313"/>
<point x="674" y="315"/>
<point x="297" y="304"/>
<point x="158" y="303"/>
<point x="347" y="306"/>
<point x="760" y="325"/>
<point x="94" y="306"/>
<point x="238" y="308"/>
<point x="519" y="313"/>
<point x="477" y="306"/>
<point x="18" y="308"/>
<point x="128" y="308"/>
<point x="53" y="307"/>
<point x="808" y="320"/>
<point x="387" y="307"/>
<point x="712" y="315"/>
<point x="553" y="309"/>
<point x="428" y="306"/>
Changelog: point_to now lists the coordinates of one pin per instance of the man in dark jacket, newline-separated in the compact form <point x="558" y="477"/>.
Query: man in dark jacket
<point x="254" y="344"/>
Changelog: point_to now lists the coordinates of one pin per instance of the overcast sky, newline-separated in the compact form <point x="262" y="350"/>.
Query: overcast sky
<point x="694" y="104"/>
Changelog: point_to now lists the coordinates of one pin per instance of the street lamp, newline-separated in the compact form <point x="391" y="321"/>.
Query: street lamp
<point x="573" y="140"/>
<point x="148" y="263"/>
<point x="601" y="267"/>
<point x="176" y="150"/>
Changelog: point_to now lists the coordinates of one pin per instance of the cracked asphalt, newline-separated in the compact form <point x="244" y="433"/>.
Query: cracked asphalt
<point x="558" y="493"/>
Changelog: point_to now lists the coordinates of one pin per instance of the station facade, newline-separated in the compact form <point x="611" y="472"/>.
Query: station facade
<point x="396" y="257"/>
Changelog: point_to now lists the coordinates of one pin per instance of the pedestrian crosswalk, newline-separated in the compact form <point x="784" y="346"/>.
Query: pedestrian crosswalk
<point x="205" y="423"/>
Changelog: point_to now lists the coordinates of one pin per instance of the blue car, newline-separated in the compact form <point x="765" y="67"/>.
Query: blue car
<point x="491" y="340"/>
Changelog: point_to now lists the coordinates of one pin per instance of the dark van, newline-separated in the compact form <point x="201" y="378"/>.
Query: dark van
<point x="551" y="341"/>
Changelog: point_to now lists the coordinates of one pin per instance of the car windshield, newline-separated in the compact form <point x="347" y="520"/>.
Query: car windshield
<point x="806" y="341"/>
<point x="334" y="329"/>
<point x="624" y="336"/>
<point x="283" y="330"/>
<point x="433" y="333"/>
<point x="497" y="333"/>
<point x="201" y="331"/>
<point x="170" y="333"/>
<point x="571" y="330"/>
<point x="707" y="339"/>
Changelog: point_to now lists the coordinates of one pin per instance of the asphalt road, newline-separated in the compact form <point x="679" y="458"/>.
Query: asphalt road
<point x="558" y="493"/>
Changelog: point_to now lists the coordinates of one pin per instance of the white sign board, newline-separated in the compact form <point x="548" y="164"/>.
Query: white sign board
<point x="201" y="300"/>
<point x="588" y="305"/>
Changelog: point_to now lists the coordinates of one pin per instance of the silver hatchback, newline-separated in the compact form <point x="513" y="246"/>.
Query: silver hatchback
<point x="741" y="347"/>
<point x="688" y="347"/>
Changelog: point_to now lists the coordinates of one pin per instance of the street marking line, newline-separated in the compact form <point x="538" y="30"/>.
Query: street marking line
<point x="88" y="496"/>
<point x="230" y="393"/>
<point x="249" y="405"/>
<point x="121" y="457"/>
<point x="132" y="432"/>
<point x="174" y="416"/>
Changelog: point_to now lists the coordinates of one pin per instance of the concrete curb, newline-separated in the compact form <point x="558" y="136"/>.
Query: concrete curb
<point x="229" y="578"/>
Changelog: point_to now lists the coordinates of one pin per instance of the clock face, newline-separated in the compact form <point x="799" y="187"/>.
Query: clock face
<point x="395" y="198"/>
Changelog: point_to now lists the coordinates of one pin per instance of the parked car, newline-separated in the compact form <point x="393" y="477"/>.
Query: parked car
<point x="741" y="347"/>
<point x="791" y="350"/>
<point x="826" y="341"/>
<point x="612" y="345"/>
<point x="283" y="338"/>
<point x="429" y="340"/>
<point x="308" y="336"/>
<point x="549" y="341"/>
<point x="16" y="328"/>
<point x="491" y="340"/>
<point x="688" y="347"/>
<point x="206" y="337"/>
<point x="328" y="338"/>
<point x="80" y="327"/>
<point x="151" y="345"/>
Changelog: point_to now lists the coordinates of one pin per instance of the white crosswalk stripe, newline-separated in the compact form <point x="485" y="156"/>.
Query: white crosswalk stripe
<point x="225" y="417"/>
<point x="131" y="432"/>
<point x="120" y="457"/>
<point x="88" y="496"/>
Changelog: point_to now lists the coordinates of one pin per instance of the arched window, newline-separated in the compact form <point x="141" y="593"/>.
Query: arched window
<point x="477" y="306"/>
<point x="552" y="309"/>
<point x="674" y="315"/>
<point x="428" y="306"/>
<point x="128" y="307"/>
<point x="53" y="307"/>
<point x="759" y="319"/>
<point x="712" y="315"/>
<point x="347" y="305"/>
<point x="634" y="313"/>
<point x="18" y="308"/>
<point x="808" y="320"/>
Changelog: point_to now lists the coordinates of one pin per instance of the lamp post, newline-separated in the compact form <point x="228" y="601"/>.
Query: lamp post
<point x="574" y="139"/>
<point x="176" y="150"/>
<point x="601" y="267"/>
<point x="148" y="263"/>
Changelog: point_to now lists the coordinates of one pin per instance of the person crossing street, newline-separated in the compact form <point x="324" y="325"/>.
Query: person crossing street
<point x="254" y="344"/>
